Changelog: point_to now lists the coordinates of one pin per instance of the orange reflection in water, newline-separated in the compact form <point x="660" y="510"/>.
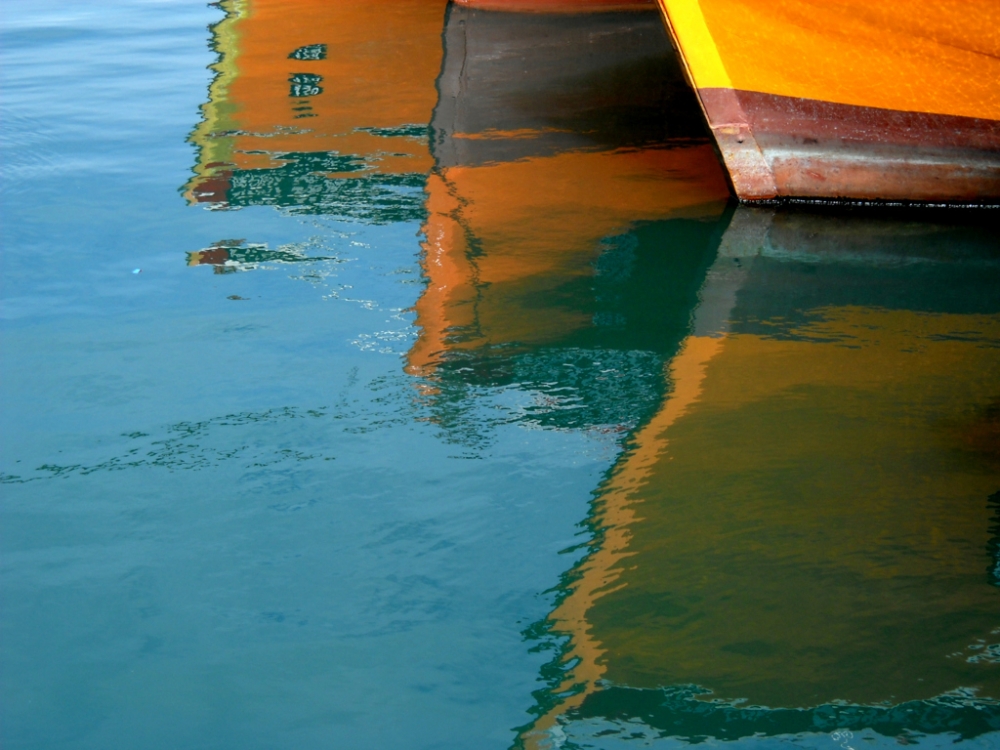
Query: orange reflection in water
<point x="309" y="76"/>
<point x="544" y="151"/>
<point x="498" y="235"/>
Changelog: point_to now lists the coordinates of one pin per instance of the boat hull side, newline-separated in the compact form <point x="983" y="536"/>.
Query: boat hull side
<point x="785" y="147"/>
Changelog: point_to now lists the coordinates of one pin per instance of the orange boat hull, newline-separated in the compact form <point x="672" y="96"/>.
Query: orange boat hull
<point x="848" y="101"/>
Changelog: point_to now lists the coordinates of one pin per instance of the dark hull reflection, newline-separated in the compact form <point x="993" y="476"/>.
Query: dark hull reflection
<point x="518" y="85"/>
<point x="557" y="139"/>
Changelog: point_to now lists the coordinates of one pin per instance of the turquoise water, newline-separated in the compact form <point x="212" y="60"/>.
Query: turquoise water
<point x="281" y="495"/>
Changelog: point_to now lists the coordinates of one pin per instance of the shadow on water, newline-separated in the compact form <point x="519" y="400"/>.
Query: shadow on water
<point x="800" y="532"/>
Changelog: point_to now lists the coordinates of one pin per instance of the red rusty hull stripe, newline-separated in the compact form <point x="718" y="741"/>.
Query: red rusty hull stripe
<point x="786" y="147"/>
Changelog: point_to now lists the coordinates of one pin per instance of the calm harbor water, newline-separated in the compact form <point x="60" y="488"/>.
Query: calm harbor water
<point x="387" y="374"/>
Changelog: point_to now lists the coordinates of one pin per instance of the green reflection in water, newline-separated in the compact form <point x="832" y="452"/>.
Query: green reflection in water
<point x="302" y="185"/>
<point x="607" y="372"/>
<point x="319" y="127"/>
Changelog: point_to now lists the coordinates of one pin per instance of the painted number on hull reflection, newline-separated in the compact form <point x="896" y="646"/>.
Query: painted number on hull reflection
<point x="309" y="52"/>
<point x="304" y="85"/>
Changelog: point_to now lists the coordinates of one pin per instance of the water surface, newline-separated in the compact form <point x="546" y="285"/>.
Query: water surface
<point x="391" y="374"/>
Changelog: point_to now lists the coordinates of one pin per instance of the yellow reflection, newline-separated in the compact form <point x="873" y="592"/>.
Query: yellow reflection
<point x="805" y="520"/>
<point x="600" y="574"/>
<point x="815" y="532"/>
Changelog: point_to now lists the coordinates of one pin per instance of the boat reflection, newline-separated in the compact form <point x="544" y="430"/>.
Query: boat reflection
<point x="801" y="518"/>
<point x="799" y="528"/>
<point x="804" y="531"/>
<point x="320" y="107"/>
<point x="558" y="141"/>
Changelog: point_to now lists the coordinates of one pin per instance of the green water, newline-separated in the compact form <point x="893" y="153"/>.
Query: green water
<point x="499" y="428"/>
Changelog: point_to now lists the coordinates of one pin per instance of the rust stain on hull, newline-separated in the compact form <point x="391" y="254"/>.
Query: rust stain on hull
<point x="785" y="147"/>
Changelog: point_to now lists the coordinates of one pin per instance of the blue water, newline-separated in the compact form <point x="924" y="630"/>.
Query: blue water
<point x="230" y="517"/>
<point x="251" y="541"/>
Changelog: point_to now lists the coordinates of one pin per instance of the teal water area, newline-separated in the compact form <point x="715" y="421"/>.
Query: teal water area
<point x="529" y="438"/>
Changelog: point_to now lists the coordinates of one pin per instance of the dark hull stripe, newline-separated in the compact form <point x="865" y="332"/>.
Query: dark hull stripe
<point x="785" y="147"/>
